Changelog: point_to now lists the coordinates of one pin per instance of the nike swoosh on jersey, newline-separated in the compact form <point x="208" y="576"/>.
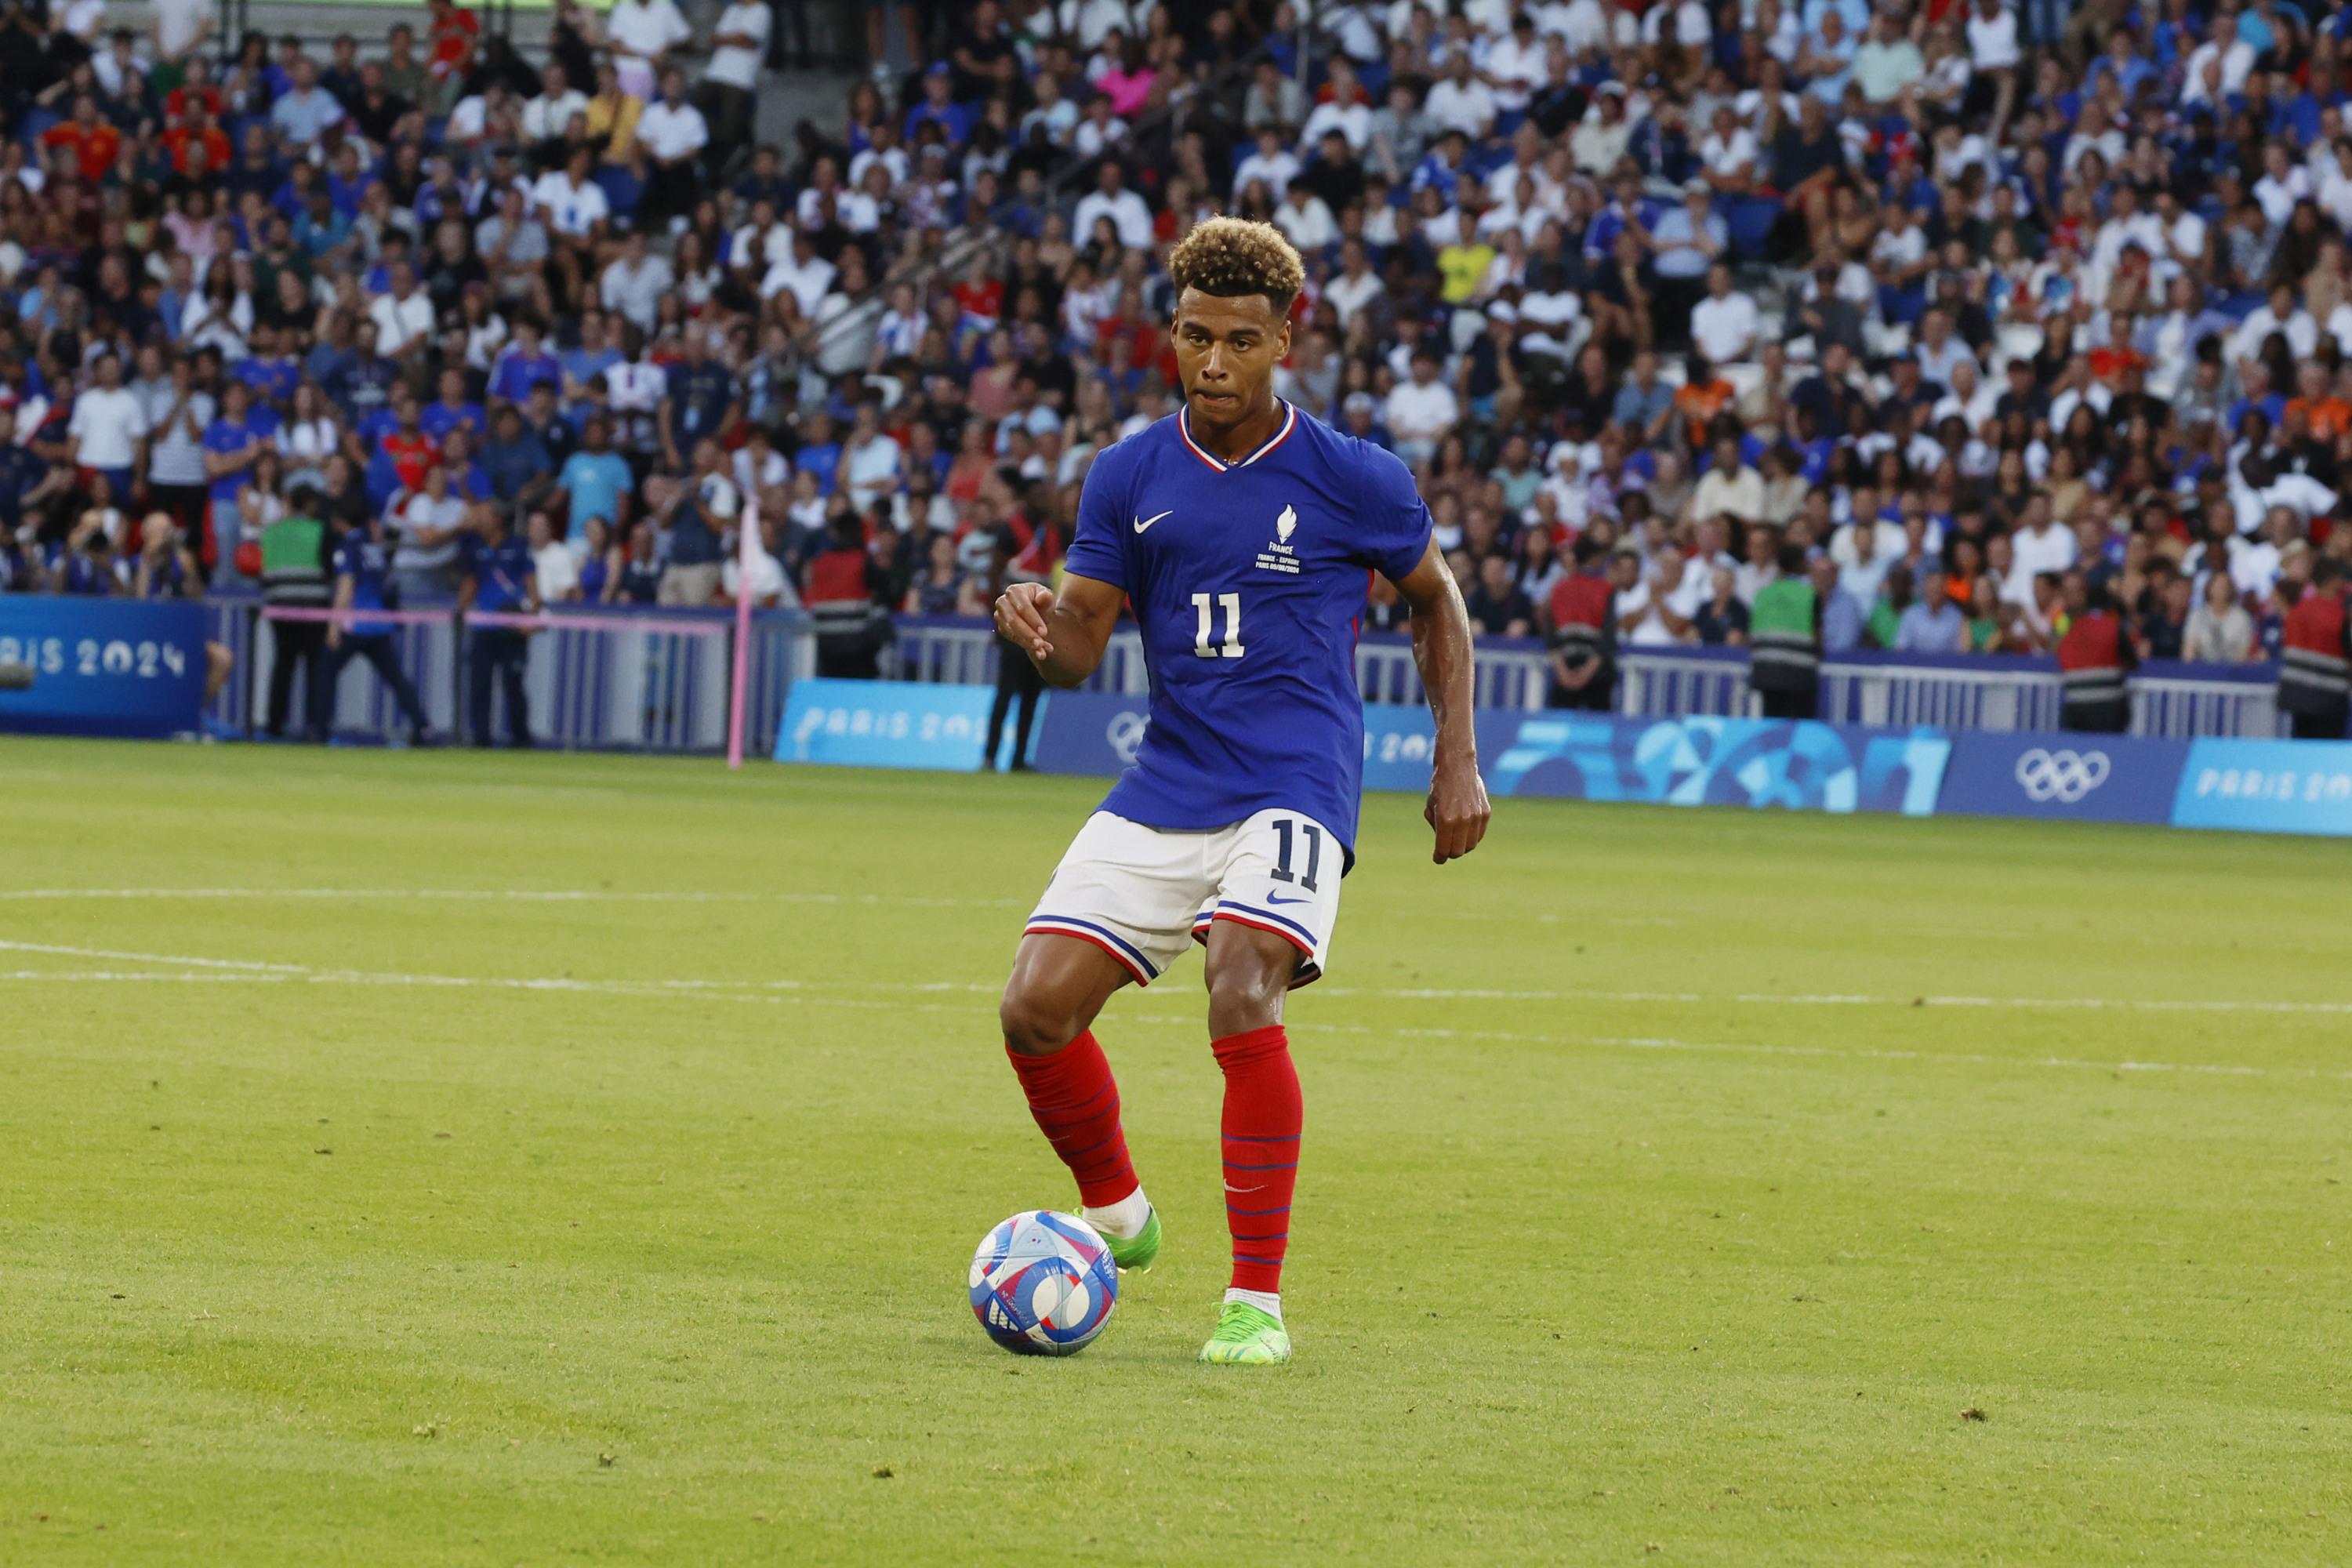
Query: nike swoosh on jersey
<point x="1143" y="522"/>
<point x="1271" y="898"/>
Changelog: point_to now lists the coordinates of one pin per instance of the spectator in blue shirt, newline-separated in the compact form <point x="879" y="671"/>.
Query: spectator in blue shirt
<point x="939" y="108"/>
<point x="584" y="367"/>
<point x="1933" y="623"/>
<point x="2123" y="63"/>
<point x="699" y="510"/>
<point x="517" y="461"/>
<point x="270" y="373"/>
<point x="1826" y="57"/>
<point x="231" y="444"/>
<point x="1440" y="168"/>
<point x="453" y="410"/>
<point x="700" y="402"/>
<point x="467" y="477"/>
<point x="820" y="454"/>
<point x="1645" y="401"/>
<point x="322" y="226"/>
<point x="523" y="365"/>
<point x="362" y="386"/>
<point x="499" y="578"/>
<point x="1856" y="15"/>
<point x="1841" y="613"/>
<point x="594" y="480"/>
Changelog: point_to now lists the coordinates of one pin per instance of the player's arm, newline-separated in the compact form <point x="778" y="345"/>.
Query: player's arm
<point x="1063" y="634"/>
<point x="1457" y="808"/>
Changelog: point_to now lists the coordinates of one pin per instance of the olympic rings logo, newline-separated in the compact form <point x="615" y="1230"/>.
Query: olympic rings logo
<point x="2064" y="777"/>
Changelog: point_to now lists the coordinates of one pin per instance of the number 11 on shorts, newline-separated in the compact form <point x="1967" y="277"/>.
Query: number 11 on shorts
<point x="1287" y="832"/>
<point x="1206" y="641"/>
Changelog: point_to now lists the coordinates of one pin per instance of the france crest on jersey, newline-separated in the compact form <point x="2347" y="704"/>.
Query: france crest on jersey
<point x="1248" y="580"/>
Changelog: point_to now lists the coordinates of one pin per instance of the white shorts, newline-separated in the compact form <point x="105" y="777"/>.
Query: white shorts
<point x="1143" y="894"/>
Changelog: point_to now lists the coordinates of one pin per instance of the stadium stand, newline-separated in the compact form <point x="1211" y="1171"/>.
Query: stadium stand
<point x="1994" y="316"/>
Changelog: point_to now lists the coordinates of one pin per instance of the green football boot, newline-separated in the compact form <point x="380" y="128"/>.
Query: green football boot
<point x="1246" y="1336"/>
<point x="1134" y="1254"/>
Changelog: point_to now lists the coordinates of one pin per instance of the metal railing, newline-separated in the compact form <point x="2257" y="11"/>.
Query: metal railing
<point x="1511" y="672"/>
<point x="619" y="685"/>
<point x="612" y="687"/>
<point x="1897" y="690"/>
<point x="1879" y="689"/>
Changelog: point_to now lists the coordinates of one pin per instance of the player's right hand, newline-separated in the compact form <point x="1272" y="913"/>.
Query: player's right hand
<point x="1021" y="618"/>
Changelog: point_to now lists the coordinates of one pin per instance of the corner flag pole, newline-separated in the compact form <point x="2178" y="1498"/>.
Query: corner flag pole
<point x="747" y="541"/>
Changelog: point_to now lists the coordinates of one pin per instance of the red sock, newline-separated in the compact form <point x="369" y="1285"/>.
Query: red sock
<point x="1075" y="1102"/>
<point x="1261" y="1151"/>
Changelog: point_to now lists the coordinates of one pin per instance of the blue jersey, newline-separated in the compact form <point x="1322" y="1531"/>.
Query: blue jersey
<point x="363" y="559"/>
<point x="1246" y="580"/>
<point x="501" y="574"/>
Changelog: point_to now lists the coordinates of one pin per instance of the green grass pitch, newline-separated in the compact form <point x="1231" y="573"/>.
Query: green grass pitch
<point x="1679" y="1187"/>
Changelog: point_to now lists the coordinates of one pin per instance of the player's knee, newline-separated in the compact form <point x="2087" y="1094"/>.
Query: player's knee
<point x="1036" y="1024"/>
<point x="1245" y="996"/>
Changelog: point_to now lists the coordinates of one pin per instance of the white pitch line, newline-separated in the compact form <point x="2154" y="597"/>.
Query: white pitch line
<point x="1771" y="999"/>
<point x="793" y="992"/>
<point x="185" y="962"/>
<point x="1430" y="994"/>
<point x="507" y="895"/>
<point x="215" y="977"/>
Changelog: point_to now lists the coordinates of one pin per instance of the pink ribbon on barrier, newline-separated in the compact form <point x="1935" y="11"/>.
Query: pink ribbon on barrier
<point x="675" y="626"/>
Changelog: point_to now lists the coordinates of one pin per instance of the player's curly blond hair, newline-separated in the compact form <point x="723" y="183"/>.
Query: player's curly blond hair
<point x="1232" y="258"/>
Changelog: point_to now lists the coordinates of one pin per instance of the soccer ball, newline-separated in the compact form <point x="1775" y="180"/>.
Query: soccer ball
<point x="1044" y="1283"/>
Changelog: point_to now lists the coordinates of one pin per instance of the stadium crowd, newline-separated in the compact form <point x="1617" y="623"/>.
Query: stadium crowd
<point x="1974" y="316"/>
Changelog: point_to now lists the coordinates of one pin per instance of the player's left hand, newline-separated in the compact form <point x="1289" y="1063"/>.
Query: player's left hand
<point x="1457" y="810"/>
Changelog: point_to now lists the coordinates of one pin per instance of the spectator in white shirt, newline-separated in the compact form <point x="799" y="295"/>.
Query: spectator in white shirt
<point x="1728" y="156"/>
<point x="634" y="284"/>
<point x="1722" y="325"/>
<point x="739" y="44"/>
<point x="1460" y="102"/>
<point x="573" y="206"/>
<point x="1420" y="411"/>
<point x="1514" y="64"/>
<point x="2279" y="313"/>
<point x="2218" y="67"/>
<point x="771" y="587"/>
<point x="1275" y="164"/>
<point x="808" y="275"/>
<point x="1305" y="220"/>
<point x="404" y="316"/>
<point x="544" y="117"/>
<point x="641" y="33"/>
<point x="1728" y="488"/>
<point x="870" y="460"/>
<point x="2255" y="559"/>
<point x="2039" y="545"/>
<point x="2282" y="184"/>
<point x="673" y="134"/>
<point x="1357" y="286"/>
<point x="552" y="561"/>
<point x="1110" y="199"/>
<point x="109" y="421"/>
<point x="1343" y="112"/>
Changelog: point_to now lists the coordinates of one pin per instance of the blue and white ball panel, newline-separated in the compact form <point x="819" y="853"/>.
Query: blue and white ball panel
<point x="1144" y="894"/>
<point x="1044" y="1283"/>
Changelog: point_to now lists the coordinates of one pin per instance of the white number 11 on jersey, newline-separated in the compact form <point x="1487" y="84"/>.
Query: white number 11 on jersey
<point x="1204" y="638"/>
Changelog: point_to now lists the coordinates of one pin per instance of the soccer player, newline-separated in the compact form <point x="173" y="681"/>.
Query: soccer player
<point x="1244" y="534"/>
